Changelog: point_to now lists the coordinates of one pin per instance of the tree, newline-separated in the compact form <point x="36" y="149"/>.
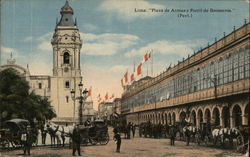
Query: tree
<point x="17" y="102"/>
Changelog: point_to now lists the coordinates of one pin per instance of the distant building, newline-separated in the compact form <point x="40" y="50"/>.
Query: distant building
<point x="117" y="106"/>
<point x="105" y="110"/>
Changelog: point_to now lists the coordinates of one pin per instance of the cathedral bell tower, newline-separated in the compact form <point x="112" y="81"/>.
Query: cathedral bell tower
<point x="66" y="45"/>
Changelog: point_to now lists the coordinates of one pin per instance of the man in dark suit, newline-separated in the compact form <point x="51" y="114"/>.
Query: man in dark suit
<point x="76" y="141"/>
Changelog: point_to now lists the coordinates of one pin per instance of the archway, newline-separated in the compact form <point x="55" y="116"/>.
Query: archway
<point x="237" y="120"/>
<point x="166" y="118"/>
<point x="207" y="116"/>
<point x="193" y="118"/>
<point x="66" y="58"/>
<point x="225" y="117"/>
<point x="162" y="118"/>
<point x="216" y="117"/>
<point x="182" y="116"/>
<point x="169" y="119"/>
<point x="246" y="112"/>
<point x="173" y="118"/>
<point x="200" y="117"/>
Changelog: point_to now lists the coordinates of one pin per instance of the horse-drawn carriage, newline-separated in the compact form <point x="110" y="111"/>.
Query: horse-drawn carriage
<point x="97" y="133"/>
<point x="11" y="132"/>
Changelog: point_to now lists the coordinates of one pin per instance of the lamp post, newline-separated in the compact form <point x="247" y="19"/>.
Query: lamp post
<point x="72" y="92"/>
<point x="81" y="98"/>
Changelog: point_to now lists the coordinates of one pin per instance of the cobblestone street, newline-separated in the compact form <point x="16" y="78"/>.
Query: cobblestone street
<point x="135" y="147"/>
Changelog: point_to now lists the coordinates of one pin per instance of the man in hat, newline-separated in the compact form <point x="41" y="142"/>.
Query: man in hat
<point x="26" y="138"/>
<point x="172" y="133"/>
<point x="117" y="139"/>
<point x="76" y="140"/>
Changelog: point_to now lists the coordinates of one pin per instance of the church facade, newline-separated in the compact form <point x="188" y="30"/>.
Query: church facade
<point x="66" y="44"/>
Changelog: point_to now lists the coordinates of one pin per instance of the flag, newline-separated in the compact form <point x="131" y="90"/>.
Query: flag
<point x="122" y="83"/>
<point x="106" y="96"/>
<point x="139" y="69"/>
<point x="89" y="92"/>
<point x="126" y="77"/>
<point x="132" y="77"/>
<point x="146" y="57"/>
<point x="99" y="99"/>
<point x="112" y="96"/>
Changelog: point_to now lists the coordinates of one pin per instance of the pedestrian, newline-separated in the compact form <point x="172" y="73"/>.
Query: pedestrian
<point x="44" y="134"/>
<point x="128" y="130"/>
<point x="26" y="139"/>
<point x="63" y="136"/>
<point x="172" y="133"/>
<point x="188" y="134"/>
<point x="117" y="139"/>
<point x="76" y="138"/>
<point x="133" y="129"/>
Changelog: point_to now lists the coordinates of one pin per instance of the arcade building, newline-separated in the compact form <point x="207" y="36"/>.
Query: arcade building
<point x="211" y="85"/>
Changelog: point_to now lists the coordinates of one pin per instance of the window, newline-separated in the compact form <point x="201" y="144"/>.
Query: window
<point x="66" y="58"/>
<point x="67" y="84"/>
<point x="40" y="85"/>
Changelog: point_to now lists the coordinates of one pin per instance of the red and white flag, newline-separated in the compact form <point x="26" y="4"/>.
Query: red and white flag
<point x="112" y="96"/>
<point x="106" y="96"/>
<point x="139" y="69"/>
<point x="126" y="77"/>
<point x="146" y="57"/>
<point x="100" y="99"/>
<point x="132" y="77"/>
<point x="122" y="83"/>
<point x="90" y="91"/>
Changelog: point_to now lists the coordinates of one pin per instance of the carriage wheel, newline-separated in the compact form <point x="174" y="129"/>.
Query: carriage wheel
<point x="92" y="141"/>
<point x="4" y="144"/>
<point x="105" y="139"/>
<point x="240" y="144"/>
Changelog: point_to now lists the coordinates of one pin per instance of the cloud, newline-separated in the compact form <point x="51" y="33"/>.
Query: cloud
<point x="107" y="44"/>
<point x="45" y="46"/>
<point x="44" y="42"/>
<point x="181" y="48"/>
<point x="45" y="37"/>
<point x="125" y="10"/>
<point x="8" y="50"/>
<point x="89" y="27"/>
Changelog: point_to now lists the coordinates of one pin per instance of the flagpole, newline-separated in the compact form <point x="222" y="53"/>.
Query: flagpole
<point x="147" y="64"/>
<point x="152" y="63"/>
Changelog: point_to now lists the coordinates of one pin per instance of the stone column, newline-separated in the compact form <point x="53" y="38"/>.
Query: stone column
<point x="197" y="121"/>
<point x="221" y="121"/>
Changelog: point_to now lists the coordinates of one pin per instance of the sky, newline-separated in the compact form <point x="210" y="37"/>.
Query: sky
<point x="116" y="34"/>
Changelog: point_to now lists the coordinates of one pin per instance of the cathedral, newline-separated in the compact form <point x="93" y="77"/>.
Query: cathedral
<point x="66" y="44"/>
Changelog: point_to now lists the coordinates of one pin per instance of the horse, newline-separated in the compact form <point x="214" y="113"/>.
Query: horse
<point x="191" y="131"/>
<point x="52" y="130"/>
<point x="225" y="133"/>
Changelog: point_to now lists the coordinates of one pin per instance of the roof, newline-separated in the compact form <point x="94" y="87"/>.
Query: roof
<point x="66" y="8"/>
<point x="66" y="16"/>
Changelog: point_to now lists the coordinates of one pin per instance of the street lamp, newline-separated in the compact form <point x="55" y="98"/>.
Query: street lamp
<point x="83" y="96"/>
<point x="73" y="96"/>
